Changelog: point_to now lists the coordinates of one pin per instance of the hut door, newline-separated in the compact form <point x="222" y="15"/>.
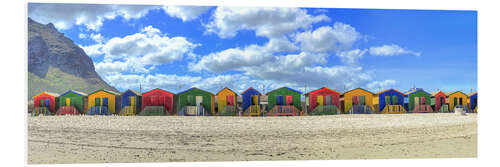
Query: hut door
<point x="199" y="100"/>
<point x="230" y="100"/>
<point x="362" y="100"/>
<point x="190" y="100"/>
<point x="355" y="100"/>
<point x="442" y="100"/>
<point x="97" y="101"/>
<point x="279" y="100"/>
<point x="394" y="100"/>
<point x="417" y="102"/>
<point x="132" y="101"/>
<point x="328" y="100"/>
<point x="319" y="100"/>
<point x="289" y="100"/>
<point x="68" y="101"/>
<point x="387" y="100"/>
<point x="460" y="101"/>
<point x="454" y="101"/>
<point x="255" y="100"/>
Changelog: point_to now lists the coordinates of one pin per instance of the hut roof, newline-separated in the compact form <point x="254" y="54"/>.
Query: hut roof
<point x="159" y="90"/>
<point x="133" y="91"/>
<point x="355" y="89"/>
<point x="436" y="92"/>
<point x="450" y="93"/>
<point x="105" y="90"/>
<point x="195" y="88"/>
<point x="250" y="89"/>
<point x="286" y="88"/>
<point x="389" y="90"/>
<point x="74" y="91"/>
<point x="416" y="90"/>
<point x="322" y="88"/>
<point x="227" y="89"/>
<point x="49" y="93"/>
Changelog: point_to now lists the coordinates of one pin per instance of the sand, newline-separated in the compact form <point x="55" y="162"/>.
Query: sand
<point x="99" y="139"/>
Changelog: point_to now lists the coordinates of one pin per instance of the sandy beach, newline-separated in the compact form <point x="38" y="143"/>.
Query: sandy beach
<point x="99" y="139"/>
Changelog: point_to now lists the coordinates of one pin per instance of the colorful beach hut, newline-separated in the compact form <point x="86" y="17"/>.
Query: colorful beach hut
<point x="250" y="102"/>
<point x="472" y="100"/>
<point x="439" y="102"/>
<point x="195" y="102"/>
<point x="103" y="102"/>
<point x="131" y="101"/>
<point x="457" y="99"/>
<point x="389" y="101"/>
<point x="284" y="101"/>
<point x="358" y="101"/>
<point x="45" y="103"/>
<point x="419" y="101"/>
<point x="323" y="101"/>
<point x="71" y="103"/>
<point x="157" y="102"/>
<point x="226" y="102"/>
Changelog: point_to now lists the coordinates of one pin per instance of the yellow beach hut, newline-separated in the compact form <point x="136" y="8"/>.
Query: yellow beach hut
<point x="103" y="102"/>
<point x="358" y="101"/>
<point x="457" y="99"/>
<point x="226" y="102"/>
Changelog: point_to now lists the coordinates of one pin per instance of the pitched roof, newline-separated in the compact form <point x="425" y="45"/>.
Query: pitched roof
<point x="195" y="88"/>
<point x="450" y="93"/>
<point x="436" y="92"/>
<point x="389" y="90"/>
<point x="133" y="91"/>
<point x="74" y="91"/>
<point x="322" y="88"/>
<point x="416" y="90"/>
<point x="49" y="93"/>
<point x="250" y="89"/>
<point x="227" y="89"/>
<point x="105" y="90"/>
<point x="158" y="89"/>
<point x="355" y="89"/>
<point x="286" y="88"/>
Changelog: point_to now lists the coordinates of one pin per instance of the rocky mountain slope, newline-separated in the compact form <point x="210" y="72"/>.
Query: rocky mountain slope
<point x="56" y="64"/>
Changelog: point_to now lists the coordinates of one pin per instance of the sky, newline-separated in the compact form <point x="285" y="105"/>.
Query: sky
<point x="212" y="47"/>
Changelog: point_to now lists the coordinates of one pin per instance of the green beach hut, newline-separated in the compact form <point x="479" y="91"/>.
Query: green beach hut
<point x="194" y="101"/>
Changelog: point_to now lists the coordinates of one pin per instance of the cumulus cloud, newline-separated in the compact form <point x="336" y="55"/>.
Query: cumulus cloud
<point x="97" y="37"/>
<point x="391" y="50"/>
<point x="82" y="35"/>
<point x="185" y="13"/>
<point x="338" y="37"/>
<point x="381" y="85"/>
<point x="147" y="47"/>
<point x="65" y="16"/>
<point x="267" y="22"/>
<point x="352" y="56"/>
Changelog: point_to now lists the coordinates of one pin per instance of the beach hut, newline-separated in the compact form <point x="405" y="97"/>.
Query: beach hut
<point x="71" y="103"/>
<point x="439" y="102"/>
<point x="157" y="102"/>
<point x="358" y="101"/>
<point x="419" y="101"/>
<point x="103" y="102"/>
<point x="323" y="101"/>
<point x="131" y="101"/>
<point x="250" y="102"/>
<point x="226" y="102"/>
<point x="284" y="101"/>
<point x="195" y="102"/>
<point x="472" y="100"/>
<point x="389" y="101"/>
<point x="457" y="99"/>
<point x="45" y="103"/>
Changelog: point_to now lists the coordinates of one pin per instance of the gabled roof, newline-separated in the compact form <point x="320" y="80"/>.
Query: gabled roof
<point x="227" y="89"/>
<point x="286" y="88"/>
<point x="323" y="88"/>
<point x="450" y="93"/>
<point x="158" y="89"/>
<point x="133" y="91"/>
<point x="195" y="88"/>
<point x="416" y="90"/>
<point x="250" y="89"/>
<point x="105" y="90"/>
<point x="471" y="94"/>
<point x="436" y="92"/>
<point x="49" y="93"/>
<point x="389" y="90"/>
<point x="75" y="92"/>
<point x="355" y="89"/>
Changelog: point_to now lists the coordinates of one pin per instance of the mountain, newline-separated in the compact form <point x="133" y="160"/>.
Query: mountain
<point x="56" y="64"/>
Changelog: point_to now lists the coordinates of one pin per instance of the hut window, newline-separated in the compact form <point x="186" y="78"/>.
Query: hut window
<point x="97" y="101"/>
<point x="105" y="101"/>
<point x="328" y="100"/>
<point x="355" y="100"/>
<point x="388" y="100"/>
<point x="255" y="100"/>
<point x="230" y="100"/>
<point x="394" y="100"/>
<point x="319" y="100"/>
<point x="289" y="100"/>
<point x="279" y="100"/>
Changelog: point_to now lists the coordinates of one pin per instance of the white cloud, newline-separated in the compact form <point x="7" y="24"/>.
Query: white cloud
<point x="148" y="47"/>
<point x="82" y="36"/>
<point x="267" y="22"/>
<point x="326" y="38"/>
<point x="391" y="50"/>
<point x="97" y="37"/>
<point x="352" y="56"/>
<point x="150" y="81"/>
<point x="185" y="13"/>
<point x="65" y="16"/>
<point x="381" y="85"/>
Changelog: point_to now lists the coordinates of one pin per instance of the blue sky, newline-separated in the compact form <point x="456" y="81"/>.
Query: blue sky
<point x="178" y="47"/>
